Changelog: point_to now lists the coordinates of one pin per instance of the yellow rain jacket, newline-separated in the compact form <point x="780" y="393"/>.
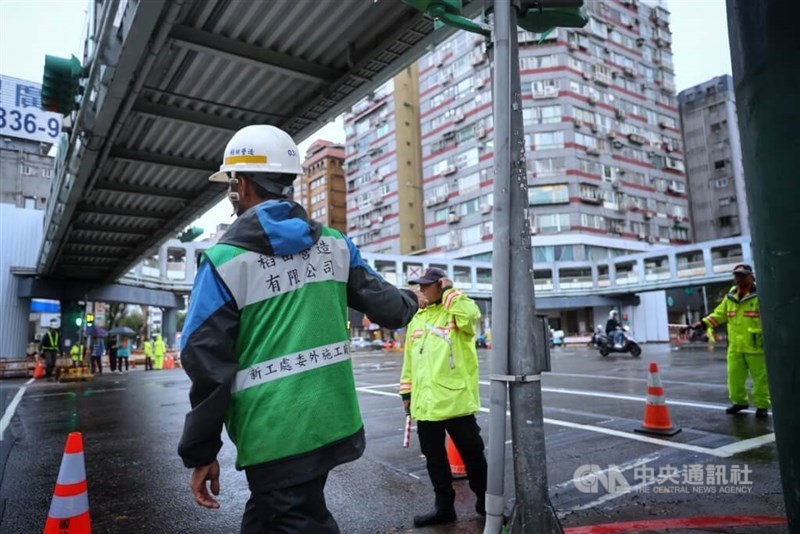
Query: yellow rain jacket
<point x="440" y="364"/>
<point x="744" y="321"/>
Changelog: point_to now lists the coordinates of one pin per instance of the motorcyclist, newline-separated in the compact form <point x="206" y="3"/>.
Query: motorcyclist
<point x="614" y="329"/>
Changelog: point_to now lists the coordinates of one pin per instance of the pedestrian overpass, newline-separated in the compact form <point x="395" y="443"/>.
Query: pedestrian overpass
<point x="174" y="267"/>
<point x="169" y="81"/>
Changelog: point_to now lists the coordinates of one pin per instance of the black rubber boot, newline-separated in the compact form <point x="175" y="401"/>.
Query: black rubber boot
<point x="762" y="413"/>
<point x="444" y="512"/>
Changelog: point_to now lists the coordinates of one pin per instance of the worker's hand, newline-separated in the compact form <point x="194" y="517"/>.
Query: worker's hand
<point x="422" y="301"/>
<point x="407" y="406"/>
<point x="446" y="283"/>
<point x="200" y="474"/>
<point x="699" y="325"/>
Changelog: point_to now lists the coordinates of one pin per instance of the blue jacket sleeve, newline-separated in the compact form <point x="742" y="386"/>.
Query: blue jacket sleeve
<point x="208" y="354"/>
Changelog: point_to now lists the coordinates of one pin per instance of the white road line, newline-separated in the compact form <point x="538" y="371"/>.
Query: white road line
<point x="746" y="444"/>
<point x="94" y="392"/>
<point x="720" y="452"/>
<point x="9" y="413"/>
<point x="670" y="402"/>
<point x="604" y="377"/>
<point x="392" y="385"/>
<point x="627" y="466"/>
<point x="616" y="495"/>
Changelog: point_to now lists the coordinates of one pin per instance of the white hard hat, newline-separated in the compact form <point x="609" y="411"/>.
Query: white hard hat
<point x="259" y="148"/>
<point x="612" y="313"/>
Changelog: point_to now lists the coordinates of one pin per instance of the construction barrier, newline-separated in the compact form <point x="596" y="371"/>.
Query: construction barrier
<point x="69" y="510"/>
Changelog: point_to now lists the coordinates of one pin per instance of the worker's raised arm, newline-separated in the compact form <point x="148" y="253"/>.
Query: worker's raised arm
<point x="370" y="294"/>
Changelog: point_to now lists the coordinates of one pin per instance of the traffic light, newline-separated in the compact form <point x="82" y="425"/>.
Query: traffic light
<point x="190" y="234"/>
<point x="541" y="16"/>
<point x="60" y="85"/>
<point x="89" y="319"/>
<point x="78" y="321"/>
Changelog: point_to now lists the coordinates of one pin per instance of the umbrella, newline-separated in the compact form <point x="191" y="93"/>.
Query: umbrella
<point x="122" y="331"/>
<point x="96" y="331"/>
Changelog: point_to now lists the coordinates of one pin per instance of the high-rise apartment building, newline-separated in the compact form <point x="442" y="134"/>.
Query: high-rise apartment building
<point x="384" y="173"/>
<point x="26" y="172"/>
<point x="714" y="160"/>
<point x="321" y="189"/>
<point x="604" y="157"/>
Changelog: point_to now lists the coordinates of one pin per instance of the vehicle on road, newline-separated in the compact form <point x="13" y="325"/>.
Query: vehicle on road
<point x="360" y="343"/>
<point x="606" y="346"/>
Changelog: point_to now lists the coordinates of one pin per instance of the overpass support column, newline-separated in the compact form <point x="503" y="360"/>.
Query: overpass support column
<point x="612" y="273"/>
<point x="556" y="277"/>
<point x="170" y="326"/>
<point x="708" y="260"/>
<point x="766" y="70"/>
<point x="672" y="258"/>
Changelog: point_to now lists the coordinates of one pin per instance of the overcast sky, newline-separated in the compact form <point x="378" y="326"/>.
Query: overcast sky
<point x="30" y="29"/>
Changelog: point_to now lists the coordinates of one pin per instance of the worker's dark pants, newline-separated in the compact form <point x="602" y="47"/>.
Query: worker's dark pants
<point x="148" y="363"/>
<point x="98" y="361"/>
<point x="112" y="361"/>
<point x="49" y="362"/>
<point x="466" y="435"/>
<point x="121" y="360"/>
<point x="289" y="510"/>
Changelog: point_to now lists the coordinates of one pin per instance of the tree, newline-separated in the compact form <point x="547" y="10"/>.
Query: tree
<point x="114" y="314"/>
<point x="134" y="320"/>
<point x="181" y="319"/>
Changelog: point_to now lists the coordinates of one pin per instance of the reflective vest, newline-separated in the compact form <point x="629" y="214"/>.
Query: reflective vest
<point x="743" y="318"/>
<point x="440" y="364"/>
<point x="294" y="391"/>
<point x="148" y="349"/>
<point x="76" y="352"/>
<point x="50" y="341"/>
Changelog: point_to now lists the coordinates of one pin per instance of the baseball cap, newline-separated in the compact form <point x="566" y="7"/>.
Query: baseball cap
<point x="743" y="268"/>
<point x="431" y="275"/>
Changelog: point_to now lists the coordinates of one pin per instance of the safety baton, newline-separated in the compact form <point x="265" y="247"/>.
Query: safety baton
<point x="407" y="433"/>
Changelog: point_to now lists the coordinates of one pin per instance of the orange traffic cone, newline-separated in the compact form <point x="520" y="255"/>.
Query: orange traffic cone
<point x="457" y="467"/>
<point x="656" y="414"/>
<point x="69" y="511"/>
<point x="38" y="369"/>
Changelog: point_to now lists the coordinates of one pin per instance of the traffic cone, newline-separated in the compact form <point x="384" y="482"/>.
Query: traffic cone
<point x="457" y="467"/>
<point x="38" y="369"/>
<point x="69" y="511"/>
<point x="656" y="414"/>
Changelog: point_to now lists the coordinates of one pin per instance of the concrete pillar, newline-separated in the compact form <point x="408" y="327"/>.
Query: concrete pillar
<point x="595" y="276"/>
<point x="708" y="261"/>
<point x="672" y="258"/>
<point x="162" y="262"/>
<point x="641" y="270"/>
<point x="556" y="278"/>
<point x="170" y="327"/>
<point x="191" y="262"/>
<point x="612" y="273"/>
<point x="766" y="70"/>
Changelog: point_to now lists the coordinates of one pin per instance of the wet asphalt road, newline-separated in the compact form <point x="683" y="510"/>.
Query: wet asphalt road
<point x="131" y="425"/>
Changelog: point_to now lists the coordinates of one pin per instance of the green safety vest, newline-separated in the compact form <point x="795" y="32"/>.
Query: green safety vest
<point x="52" y="342"/>
<point x="743" y="318"/>
<point x="294" y="391"/>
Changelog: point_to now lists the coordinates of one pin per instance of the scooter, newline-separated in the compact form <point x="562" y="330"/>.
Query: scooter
<point x="605" y="344"/>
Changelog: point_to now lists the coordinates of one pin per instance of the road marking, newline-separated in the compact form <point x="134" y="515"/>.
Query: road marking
<point x="9" y="413"/>
<point x="604" y="377"/>
<point x="627" y="466"/>
<point x="682" y="523"/>
<point x="746" y="444"/>
<point x="725" y="451"/>
<point x="94" y="392"/>
<point x="616" y="495"/>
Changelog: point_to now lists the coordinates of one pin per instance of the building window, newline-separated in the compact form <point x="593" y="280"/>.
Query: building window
<point x="719" y="164"/>
<point x="27" y="170"/>
<point x="319" y="213"/>
<point x="548" y="194"/>
<point x="598" y="222"/>
<point x="726" y="201"/>
<point x="546" y="140"/>
<point x="319" y="197"/>
<point x="721" y="183"/>
<point x="48" y="173"/>
<point x="552" y="222"/>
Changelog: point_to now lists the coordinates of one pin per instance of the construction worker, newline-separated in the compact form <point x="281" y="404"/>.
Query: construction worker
<point x="159" y="349"/>
<point x="439" y="388"/>
<point x="266" y="346"/>
<point x="148" y="355"/>
<point x="51" y="348"/>
<point x="76" y="353"/>
<point x="740" y="310"/>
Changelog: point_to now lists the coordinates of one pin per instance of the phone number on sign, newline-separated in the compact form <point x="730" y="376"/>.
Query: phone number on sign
<point x="18" y="121"/>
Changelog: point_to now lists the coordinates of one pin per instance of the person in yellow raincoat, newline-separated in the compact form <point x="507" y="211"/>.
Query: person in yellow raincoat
<point x="740" y="310"/>
<point x="439" y="385"/>
<point x="159" y="349"/>
<point x="76" y="353"/>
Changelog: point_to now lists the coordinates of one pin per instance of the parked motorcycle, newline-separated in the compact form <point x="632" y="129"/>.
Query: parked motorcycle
<point x="605" y="344"/>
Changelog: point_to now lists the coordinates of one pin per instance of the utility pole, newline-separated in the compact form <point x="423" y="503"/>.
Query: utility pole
<point x="517" y="340"/>
<point x="766" y="71"/>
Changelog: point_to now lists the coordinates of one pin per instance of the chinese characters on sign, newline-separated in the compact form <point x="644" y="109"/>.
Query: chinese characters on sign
<point x="285" y="273"/>
<point x="20" y="113"/>
<point x="291" y="364"/>
<point x="691" y="478"/>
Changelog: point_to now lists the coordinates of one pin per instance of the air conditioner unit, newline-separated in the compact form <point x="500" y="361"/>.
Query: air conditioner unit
<point x="578" y="123"/>
<point x="662" y="124"/>
<point x="639" y="41"/>
<point x="447" y="78"/>
<point x="453" y="218"/>
<point x="477" y="58"/>
<point x="572" y="46"/>
<point x="677" y="187"/>
<point x="479" y="83"/>
<point x="592" y="151"/>
<point x="534" y="229"/>
<point x="652" y="239"/>
<point x="617" y="144"/>
<point x="451" y="169"/>
<point x="447" y="136"/>
<point x="353" y="224"/>
<point x="629" y="72"/>
<point x="648" y="214"/>
<point x="636" y="139"/>
<point x="374" y="152"/>
<point x="454" y="244"/>
<point x="642" y="236"/>
<point x="591" y="100"/>
<point x="587" y="76"/>
<point x="486" y="209"/>
<point x="594" y="127"/>
<point x="460" y="117"/>
<point x="615" y="183"/>
<point x="377" y="201"/>
<point x="611" y="135"/>
<point x="481" y="133"/>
